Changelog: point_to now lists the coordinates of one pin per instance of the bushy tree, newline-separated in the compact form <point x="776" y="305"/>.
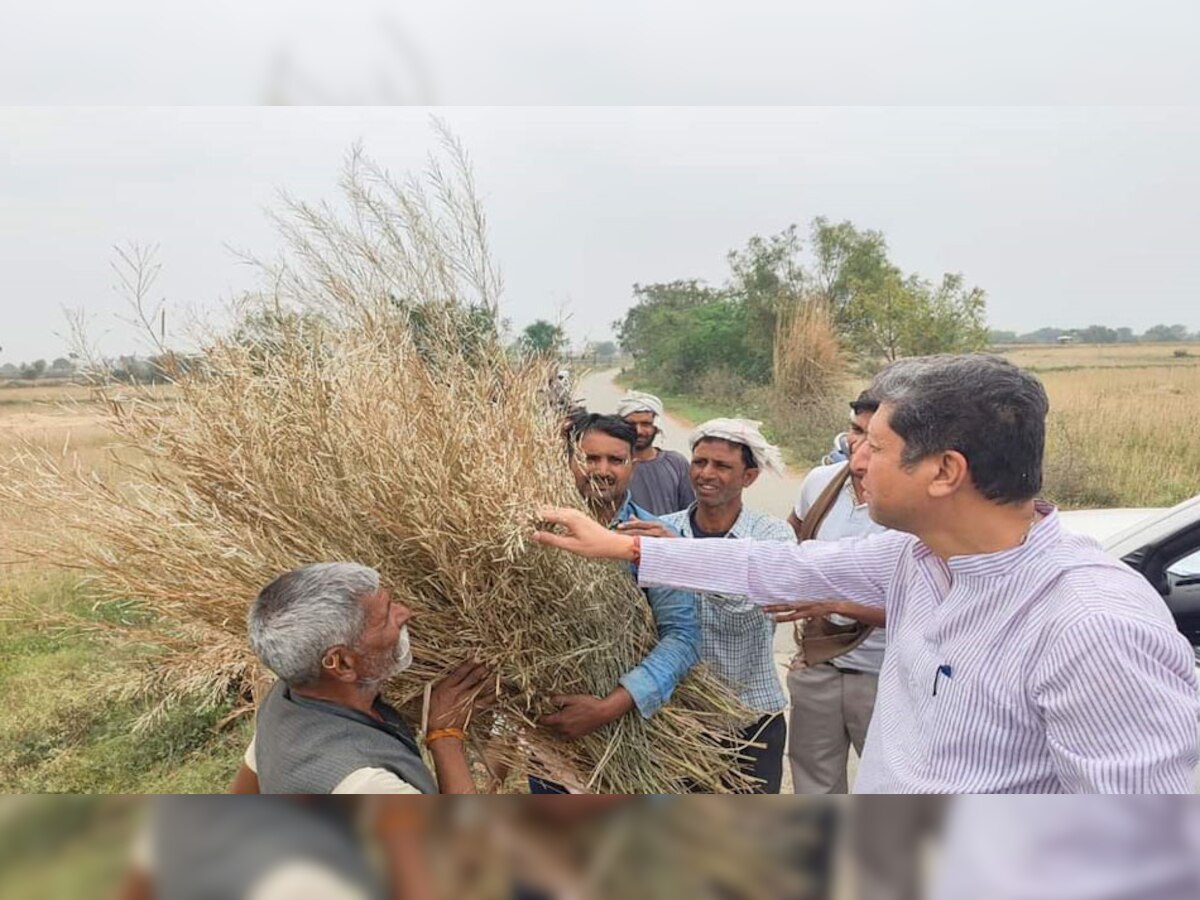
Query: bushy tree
<point x="34" y="370"/>
<point x="543" y="338"/>
<point x="1042" y="336"/>
<point x="914" y="317"/>
<point x="1097" y="334"/>
<point x="1166" y="333"/>
<point x="678" y="330"/>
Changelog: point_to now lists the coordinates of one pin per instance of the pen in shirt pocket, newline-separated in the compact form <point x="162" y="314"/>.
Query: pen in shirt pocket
<point x="941" y="670"/>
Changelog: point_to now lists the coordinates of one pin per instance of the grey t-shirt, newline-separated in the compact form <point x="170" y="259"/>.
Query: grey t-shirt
<point x="661" y="485"/>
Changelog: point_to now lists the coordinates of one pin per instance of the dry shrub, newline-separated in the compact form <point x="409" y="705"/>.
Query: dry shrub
<point x="807" y="427"/>
<point x="722" y="387"/>
<point x="378" y="420"/>
<point x="808" y="363"/>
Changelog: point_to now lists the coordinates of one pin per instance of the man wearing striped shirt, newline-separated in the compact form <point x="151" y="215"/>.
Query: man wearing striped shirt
<point x="736" y="639"/>
<point x="1021" y="658"/>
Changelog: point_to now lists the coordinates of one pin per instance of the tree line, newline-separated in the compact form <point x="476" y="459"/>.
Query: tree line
<point x="126" y="369"/>
<point x="678" y="330"/>
<point x="1097" y="334"/>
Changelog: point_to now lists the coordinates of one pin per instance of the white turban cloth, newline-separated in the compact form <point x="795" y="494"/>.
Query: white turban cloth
<point x="637" y="402"/>
<point x="742" y="431"/>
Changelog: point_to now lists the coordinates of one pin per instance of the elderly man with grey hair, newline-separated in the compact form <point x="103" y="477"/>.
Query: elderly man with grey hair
<point x="1021" y="658"/>
<point x="334" y="636"/>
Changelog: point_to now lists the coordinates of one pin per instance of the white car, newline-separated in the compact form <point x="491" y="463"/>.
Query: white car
<point x="1161" y="544"/>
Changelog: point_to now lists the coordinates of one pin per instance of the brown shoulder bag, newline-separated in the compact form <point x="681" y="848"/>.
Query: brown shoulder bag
<point x="820" y="640"/>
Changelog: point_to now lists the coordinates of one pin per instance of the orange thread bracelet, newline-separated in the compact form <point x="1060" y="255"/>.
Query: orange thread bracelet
<point x="438" y="733"/>
<point x="637" y="549"/>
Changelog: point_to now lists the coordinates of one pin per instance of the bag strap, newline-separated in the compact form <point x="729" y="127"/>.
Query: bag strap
<point x="823" y="504"/>
<point x="808" y="529"/>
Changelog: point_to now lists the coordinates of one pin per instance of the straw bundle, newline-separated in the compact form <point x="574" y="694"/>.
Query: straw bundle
<point x="379" y="420"/>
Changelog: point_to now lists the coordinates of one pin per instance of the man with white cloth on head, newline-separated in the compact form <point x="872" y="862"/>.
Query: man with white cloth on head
<point x="736" y="638"/>
<point x="660" y="477"/>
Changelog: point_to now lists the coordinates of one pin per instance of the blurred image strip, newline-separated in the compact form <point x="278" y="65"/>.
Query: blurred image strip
<point x="531" y="848"/>
<point x="591" y="847"/>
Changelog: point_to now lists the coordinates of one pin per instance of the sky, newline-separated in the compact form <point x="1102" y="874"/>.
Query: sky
<point x="1043" y="149"/>
<point x="1065" y="216"/>
<point x="617" y="52"/>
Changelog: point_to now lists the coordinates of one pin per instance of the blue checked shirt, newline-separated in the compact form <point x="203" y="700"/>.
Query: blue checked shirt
<point x="651" y="682"/>
<point x="736" y="637"/>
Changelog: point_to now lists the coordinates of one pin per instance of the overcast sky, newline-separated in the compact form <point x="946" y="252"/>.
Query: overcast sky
<point x="615" y="52"/>
<point x="1065" y="216"/>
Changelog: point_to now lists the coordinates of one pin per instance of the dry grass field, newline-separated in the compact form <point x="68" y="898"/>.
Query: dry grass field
<point x="1122" y="422"/>
<point x="1053" y="357"/>
<point x="1121" y="433"/>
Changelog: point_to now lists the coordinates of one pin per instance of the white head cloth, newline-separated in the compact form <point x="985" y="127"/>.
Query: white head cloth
<point x="636" y="402"/>
<point x="742" y="431"/>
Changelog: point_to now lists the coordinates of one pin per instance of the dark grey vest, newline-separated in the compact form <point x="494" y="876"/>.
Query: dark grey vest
<point x="218" y="848"/>
<point x="306" y="746"/>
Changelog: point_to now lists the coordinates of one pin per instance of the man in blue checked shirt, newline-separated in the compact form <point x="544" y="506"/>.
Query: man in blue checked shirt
<point x="737" y="639"/>
<point x="603" y="468"/>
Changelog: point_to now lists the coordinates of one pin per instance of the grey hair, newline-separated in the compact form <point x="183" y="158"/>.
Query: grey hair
<point x="982" y="406"/>
<point x="304" y="612"/>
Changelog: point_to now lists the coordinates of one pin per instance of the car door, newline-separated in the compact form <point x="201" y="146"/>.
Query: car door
<point x="1172" y="564"/>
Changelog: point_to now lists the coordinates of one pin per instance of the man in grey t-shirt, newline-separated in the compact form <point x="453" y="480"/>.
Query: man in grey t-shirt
<point x="660" y="482"/>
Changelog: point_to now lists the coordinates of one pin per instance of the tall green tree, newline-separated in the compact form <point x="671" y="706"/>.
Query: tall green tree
<point x="914" y="317"/>
<point x="767" y="279"/>
<point x="543" y="338"/>
<point x="677" y="330"/>
<point x="847" y="261"/>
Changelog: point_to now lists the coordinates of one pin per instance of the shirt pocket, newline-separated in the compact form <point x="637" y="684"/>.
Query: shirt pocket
<point x="731" y="614"/>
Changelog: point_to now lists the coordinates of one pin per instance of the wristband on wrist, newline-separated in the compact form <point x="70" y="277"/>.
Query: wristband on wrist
<point x="637" y="549"/>
<point x="438" y="733"/>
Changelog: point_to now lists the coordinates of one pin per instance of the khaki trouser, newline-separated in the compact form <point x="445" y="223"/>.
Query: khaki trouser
<point x="830" y="711"/>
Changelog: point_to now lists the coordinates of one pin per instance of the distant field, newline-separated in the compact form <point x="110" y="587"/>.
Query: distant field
<point x="1121" y="421"/>
<point x="1048" y="357"/>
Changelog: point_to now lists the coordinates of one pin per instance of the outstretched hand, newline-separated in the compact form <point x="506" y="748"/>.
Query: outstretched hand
<point x="815" y="609"/>
<point x="582" y="535"/>
<point x="796" y="610"/>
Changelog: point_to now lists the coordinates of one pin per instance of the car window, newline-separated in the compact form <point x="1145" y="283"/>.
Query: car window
<point x="1186" y="567"/>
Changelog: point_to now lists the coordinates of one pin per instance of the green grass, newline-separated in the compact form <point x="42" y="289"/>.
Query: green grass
<point x="65" y="847"/>
<point x="62" y="732"/>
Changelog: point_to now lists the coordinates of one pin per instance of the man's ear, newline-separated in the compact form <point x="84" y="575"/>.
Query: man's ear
<point x="750" y="477"/>
<point x="951" y="474"/>
<point x="340" y="663"/>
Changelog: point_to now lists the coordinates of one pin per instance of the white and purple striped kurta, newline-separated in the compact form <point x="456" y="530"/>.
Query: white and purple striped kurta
<point x="1065" y="670"/>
